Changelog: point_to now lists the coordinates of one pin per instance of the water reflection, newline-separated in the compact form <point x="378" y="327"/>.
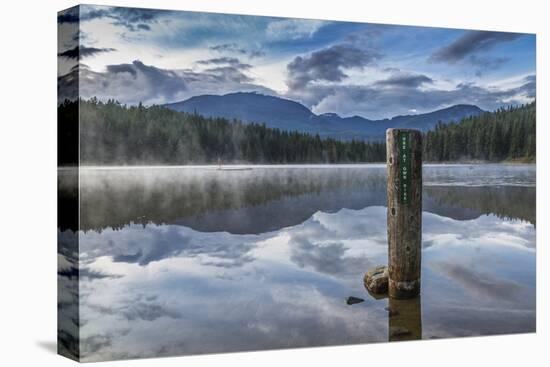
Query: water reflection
<point x="266" y="199"/>
<point x="404" y="319"/>
<point x="68" y="316"/>
<point x="199" y="261"/>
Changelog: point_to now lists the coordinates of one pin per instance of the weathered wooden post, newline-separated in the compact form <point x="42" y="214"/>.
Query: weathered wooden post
<point x="405" y="319"/>
<point x="404" y="185"/>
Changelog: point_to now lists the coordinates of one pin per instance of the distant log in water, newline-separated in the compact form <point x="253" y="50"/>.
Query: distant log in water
<point x="404" y="185"/>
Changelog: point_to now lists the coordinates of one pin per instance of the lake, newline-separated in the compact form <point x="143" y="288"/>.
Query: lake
<point x="190" y="260"/>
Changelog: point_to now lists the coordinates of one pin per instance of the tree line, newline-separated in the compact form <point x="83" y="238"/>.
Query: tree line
<point x="506" y="134"/>
<point x="115" y="134"/>
<point x="111" y="133"/>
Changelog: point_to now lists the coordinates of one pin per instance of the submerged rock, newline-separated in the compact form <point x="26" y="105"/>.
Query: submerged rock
<point x="353" y="300"/>
<point x="376" y="280"/>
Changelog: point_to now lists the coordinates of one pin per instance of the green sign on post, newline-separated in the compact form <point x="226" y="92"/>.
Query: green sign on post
<point x="404" y="167"/>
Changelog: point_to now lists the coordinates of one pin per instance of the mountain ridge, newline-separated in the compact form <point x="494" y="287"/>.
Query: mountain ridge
<point x="285" y="114"/>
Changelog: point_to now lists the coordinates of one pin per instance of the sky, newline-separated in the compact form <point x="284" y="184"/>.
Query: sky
<point x="371" y="70"/>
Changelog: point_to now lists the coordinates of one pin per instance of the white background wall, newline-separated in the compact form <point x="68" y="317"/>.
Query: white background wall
<point x="28" y="88"/>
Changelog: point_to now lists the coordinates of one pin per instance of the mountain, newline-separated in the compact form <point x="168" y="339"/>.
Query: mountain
<point x="427" y="121"/>
<point x="285" y="114"/>
<point x="252" y="107"/>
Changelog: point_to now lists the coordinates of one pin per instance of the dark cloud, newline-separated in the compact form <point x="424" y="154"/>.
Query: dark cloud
<point x="92" y="274"/>
<point x="122" y="68"/>
<point x="74" y="15"/>
<point x="227" y="69"/>
<point x="137" y="82"/>
<point x="131" y="83"/>
<point x="391" y="70"/>
<point x="133" y="19"/>
<point x="95" y="343"/>
<point x="147" y="311"/>
<point x="405" y="81"/>
<point x="219" y="60"/>
<point x="80" y="52"/>
<point x="136" y="15"/>
<point x="232" y="61"/>
<point x="470" y="42"/>
<point x="484" y="64"/>
<point x="94" y="14"/>
<point x="69" y="16"/>
<point x="327" y="64"/>
<point x="234" y="48"/>
<point x="227" y="74"/>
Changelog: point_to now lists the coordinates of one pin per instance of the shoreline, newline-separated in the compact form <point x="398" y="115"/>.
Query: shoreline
<point x="229" y="167"/>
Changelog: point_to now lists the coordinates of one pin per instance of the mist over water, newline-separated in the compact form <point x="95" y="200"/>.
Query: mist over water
<point x="186" y="260"/>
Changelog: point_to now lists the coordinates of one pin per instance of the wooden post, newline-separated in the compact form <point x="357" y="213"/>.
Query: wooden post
<point x="404" y="319"/>
<point x="404" y="162"/>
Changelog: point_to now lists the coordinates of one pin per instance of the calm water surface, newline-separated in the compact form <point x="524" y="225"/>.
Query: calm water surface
<point x="194" y="260"/>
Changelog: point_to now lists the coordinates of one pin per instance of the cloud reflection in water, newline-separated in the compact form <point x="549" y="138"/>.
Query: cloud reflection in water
<point x="218" y="292"/>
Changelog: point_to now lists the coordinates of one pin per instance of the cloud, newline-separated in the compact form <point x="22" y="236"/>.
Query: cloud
<point x="80" y="52"/>
<point x="307" y="268"/>
<point x="232" y="61"/>
<point x="327" y="64"/>
<point x="368" y="34"/>
<point x="292" y="29"/>
<point x="228" y="74"/>
<point x="131" y="69"/>
<point x="227" y="69"/>
<point x="136" y="82"/>
<point x="234" y="48"/>
<point x="148" y="312"/>
<point x="128" y="83"/>
<point x="69" y="16"/>
<point x="479" y="283"/>
<point x="142" y="246"/>
<point x="91" y="274"/>
<point x="90" y="13"/>
<point x="95" y="343"/>
<point x="374" y="101"/>
<point x="529" y="89"/>
<point x="405" y="81"/>
<point x="133" y="19"/>
<point x="470" y="42"/>
<point x="328" y="258"/>
<point x="485" y="64"/>
<point x="530" y="79"/>
<point x="83" y="13"/>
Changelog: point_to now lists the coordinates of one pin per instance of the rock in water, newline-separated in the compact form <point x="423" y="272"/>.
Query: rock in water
<point x="376" y="280"/>
<point x="353" y="300"/>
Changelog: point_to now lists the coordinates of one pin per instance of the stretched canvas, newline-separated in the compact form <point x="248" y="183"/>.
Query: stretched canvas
<point x="223" y="182"/>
